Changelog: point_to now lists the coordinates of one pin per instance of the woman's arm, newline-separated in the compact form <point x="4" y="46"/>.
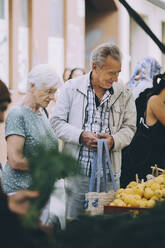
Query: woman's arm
<point x="15" y="145"/>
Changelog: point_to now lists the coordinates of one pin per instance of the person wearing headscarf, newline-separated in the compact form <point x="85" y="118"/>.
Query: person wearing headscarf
<point x="143" y="75"/>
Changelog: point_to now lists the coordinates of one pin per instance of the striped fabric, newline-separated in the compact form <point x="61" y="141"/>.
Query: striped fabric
<point x="96" y="121"/>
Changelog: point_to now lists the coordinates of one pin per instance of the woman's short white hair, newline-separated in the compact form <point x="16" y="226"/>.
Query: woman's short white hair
<point x="44" y="76"/>
<point x="101" y="52"/>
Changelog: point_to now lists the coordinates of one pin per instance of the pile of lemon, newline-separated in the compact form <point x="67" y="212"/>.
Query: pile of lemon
<point x="142" y="195"/>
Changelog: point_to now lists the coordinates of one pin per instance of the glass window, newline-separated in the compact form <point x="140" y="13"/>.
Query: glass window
<point x="4" y="44"/>
<point x="23" y="13"/>
<point x="56" y="18"/>
<point x="137" y="35"/>
<point x="23" y="48"/>
<point x="56" y="33"/>
<point x="2" y="8"/>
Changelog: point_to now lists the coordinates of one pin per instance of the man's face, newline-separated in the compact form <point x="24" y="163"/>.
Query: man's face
<point x="3" y="108"/>
<point x="107" y="74"/>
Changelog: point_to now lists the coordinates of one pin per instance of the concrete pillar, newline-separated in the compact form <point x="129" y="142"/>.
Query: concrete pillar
<point x="40" y="24"/>
<point x="74" y="33"/>
<point x="13" y="43"/>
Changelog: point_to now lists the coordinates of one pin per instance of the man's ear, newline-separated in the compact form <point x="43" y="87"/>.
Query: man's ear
<point x="94" y="67"/>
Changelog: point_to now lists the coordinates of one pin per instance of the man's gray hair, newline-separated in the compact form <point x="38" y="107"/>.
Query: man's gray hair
<point x="101" y="52"/>
<point x="44" y="76"/>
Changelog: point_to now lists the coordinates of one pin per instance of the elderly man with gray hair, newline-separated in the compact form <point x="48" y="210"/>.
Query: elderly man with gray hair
<point x="90" y="107"/>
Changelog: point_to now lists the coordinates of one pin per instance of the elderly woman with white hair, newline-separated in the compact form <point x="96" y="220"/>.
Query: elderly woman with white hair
<point x="27" y="126"/>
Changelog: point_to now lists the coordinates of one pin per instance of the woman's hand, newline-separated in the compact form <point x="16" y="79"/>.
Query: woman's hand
<point x="19" y="202"/>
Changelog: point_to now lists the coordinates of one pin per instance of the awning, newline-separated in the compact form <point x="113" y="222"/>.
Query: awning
<point x="102" y="5"/>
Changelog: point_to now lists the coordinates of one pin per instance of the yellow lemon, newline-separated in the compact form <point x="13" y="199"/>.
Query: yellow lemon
<point x="155" y="198"/>
<point x="119" y="202"/>
<point x="148" y="193"/>
<point x="112" y="204"/>
<point x="149" y="183"/>
<point x="129" y="191"/>
<point x="127" y="198"/>
<point x="162" y="186"/>
<point x="158" y="193"/>
<point x="131" y="184"/>
<point x="150" y="203"/>
<point x="119" y="191"/>
<point x="142" y="203"/>
<point x="122" y="196"/>
<point x="159" y="179"/>
<point x="139" y="190"/>
<point x="155" y="186"/>
<point x="134" y="203"/>
<point x="137" y="197"/>
<point x="163" y="192"/>
<point x="119" y="196"/>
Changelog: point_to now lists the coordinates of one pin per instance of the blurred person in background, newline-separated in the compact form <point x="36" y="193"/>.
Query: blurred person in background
<point x="142" y="81"/>
<point x="92" y="106"/>
<point x="148" y="144"/>
<point x="143" y="75"/>
<point x="5" y="99"/>
<point x="66" y="74"/>
<point x="17" y="203"/>
<point x="27" y="126"/>
<point x="76" y="72"/>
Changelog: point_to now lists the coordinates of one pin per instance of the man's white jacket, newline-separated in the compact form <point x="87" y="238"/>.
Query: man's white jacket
<point x="69" y="113"/>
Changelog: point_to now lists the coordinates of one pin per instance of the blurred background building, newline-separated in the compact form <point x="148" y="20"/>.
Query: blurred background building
<point x="63" y="33"/>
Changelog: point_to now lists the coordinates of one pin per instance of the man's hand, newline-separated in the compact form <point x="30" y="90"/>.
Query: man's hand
<point x="109" y="139"/>
<point x="19" y="202"/>
<point x="89" y="139"/>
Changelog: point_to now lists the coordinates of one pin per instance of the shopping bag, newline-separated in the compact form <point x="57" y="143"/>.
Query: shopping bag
<point x="95" y="201"/>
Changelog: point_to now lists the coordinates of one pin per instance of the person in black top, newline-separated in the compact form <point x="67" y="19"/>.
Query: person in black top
<point x="148" y="145"/>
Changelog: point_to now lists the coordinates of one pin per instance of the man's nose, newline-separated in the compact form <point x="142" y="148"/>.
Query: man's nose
<point x="51" y="96"/>
<point x="115" y="77"/>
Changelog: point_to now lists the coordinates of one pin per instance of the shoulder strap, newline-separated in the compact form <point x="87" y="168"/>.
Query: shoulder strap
<point x="110" y="165"/>
<point x="46" y="112"/>
<point x="99" y="162"/>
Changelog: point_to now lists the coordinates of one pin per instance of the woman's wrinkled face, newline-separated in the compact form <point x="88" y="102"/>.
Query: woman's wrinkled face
<point x="3" y="108"/>
<point x="44" y="96"/>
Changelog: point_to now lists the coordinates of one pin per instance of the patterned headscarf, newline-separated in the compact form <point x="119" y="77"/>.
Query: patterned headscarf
<point x="143" y="75"/>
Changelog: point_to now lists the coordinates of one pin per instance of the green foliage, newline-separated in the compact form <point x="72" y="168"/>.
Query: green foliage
<point x="123" y="230"/>
<point x="46" y="167"/>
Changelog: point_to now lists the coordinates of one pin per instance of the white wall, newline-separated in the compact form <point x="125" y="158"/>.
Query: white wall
<point x="138" y="43"/>
<point x="155" y="16"/>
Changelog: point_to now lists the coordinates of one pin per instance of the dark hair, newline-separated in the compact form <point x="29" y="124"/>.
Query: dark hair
<point x="75" y="69"/>
<point x="158" y="85"/>
<point x="4" y="93"/>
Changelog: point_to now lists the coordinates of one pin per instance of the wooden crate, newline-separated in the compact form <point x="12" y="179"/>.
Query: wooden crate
<point x="118" y="210"/>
